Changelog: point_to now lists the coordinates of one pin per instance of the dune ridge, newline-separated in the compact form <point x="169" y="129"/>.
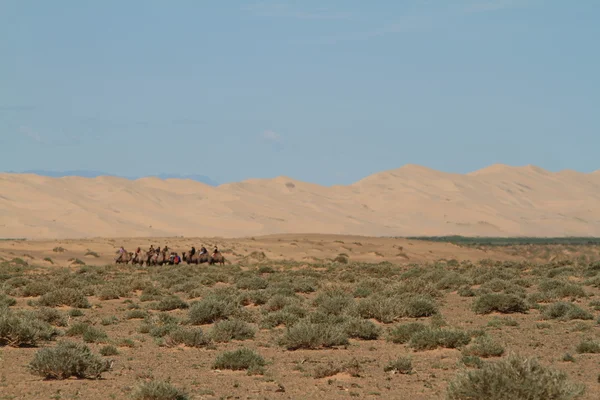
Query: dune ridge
<point x="498" y="200"/>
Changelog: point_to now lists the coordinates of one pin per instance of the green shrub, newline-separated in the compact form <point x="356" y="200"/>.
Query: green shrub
<point x="68" y="359"/>
<point x="109" y="350"/>
<point x="362" y="329"/>
<point x="513" y="378"/>
<point x="402" y="365"/>
<point x="241" y="359"/>
<point x="225" y="331"/>
<point x="64" y="297"/>
<point x="6" y="301"/>
<point x="23" y="329"/>
<point x="566" y="311"/>
<point x="430" y="339"/>
<point x="159" y="390"/>
<point x="307" y="335"/>
<point x="190" y="337"/>
<point x="588" y="346"/>
<point x="211" y="309"/>
<point x="484" y="347"/>
<point x="402" y="333"/>
<point x="171" y="303"/>
<point x="500" y="302"/>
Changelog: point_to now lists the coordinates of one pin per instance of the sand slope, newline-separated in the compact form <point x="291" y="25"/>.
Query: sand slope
<point x="412" y="200"/>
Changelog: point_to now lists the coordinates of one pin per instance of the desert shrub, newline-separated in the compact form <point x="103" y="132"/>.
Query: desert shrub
<point x="171" y="303"/>
<point x="484" y="346"/>
<point x="37" y="288"/>
<point x="513" y="378"/>
<point x="381" y="308"/>
<point x="595" y="304"/>
<point x="498" y="322"/>
<point x="151" y="293"/>
<point x="565" y="311"/>
<point x="419" y="307"/>
<point x="51" y="316"/>
<point x="402" y="333"/>
<point x="452" y="281"/>
<point x="87" y="332"/>
<point x="112" y="320"/>
<point x="159" y="390"/>
<point x="190" y="337"/>
<point x="308" y="335"/>
<point x="334" y="304"/>
<point x="224" y="331"/>
<point x="287" y="316"/>
<point x="64" y="297"/>
<point x="471" y="361"/>
<point x="359" y="328"/>
<point x="68" y="359"/>
<point x="401" y="365"/>
<point x="108" y="293"/>
<point x="560" y="289"/>
<point x="211" y="309"/>
<point x="429" y="339"/>
<point x="466" y="291"/>
<point x="500" y="302"/>
<point x="23" y="329"/>
<point x="252" y="283"/>
<point x="136" y="314"/>
<point x="75" y="313"/>
<point x="109" y="350"/>
<point x="588" y="346"/>
<point x="241" y="359"/>
<point x="278" y="302"/>
<point x="6" y="301"/>
<point x="305" y="285"/>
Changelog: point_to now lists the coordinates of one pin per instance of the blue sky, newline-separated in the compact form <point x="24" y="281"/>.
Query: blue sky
<point x="322" y="91"/>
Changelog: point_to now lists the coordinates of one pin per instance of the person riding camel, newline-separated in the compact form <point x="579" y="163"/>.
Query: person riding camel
<point x="121" y="252"/>
<point x="203" y="250"/>
<point x="192" y="251"/>
<point x="215" y="251"/>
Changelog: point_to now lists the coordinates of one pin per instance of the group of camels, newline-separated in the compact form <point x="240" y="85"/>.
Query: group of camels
<point x="166" y="257"/>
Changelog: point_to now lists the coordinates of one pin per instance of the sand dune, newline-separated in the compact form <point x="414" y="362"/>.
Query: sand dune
<point x="496" y="201"/>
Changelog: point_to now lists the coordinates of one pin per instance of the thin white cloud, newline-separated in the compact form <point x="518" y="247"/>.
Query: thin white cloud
<point x="274" y="9"/>
<point x="31" y="134"/>
<point x="271" y="136"/>
<point x="495" y="5"/>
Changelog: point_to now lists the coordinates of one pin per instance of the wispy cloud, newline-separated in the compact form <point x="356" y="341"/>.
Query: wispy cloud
<point x="29" y="133"/>
<point x="495" y="5"/>
<point x="274" y="9"/>
<point x="271" y="136"/>
<point x="401" y="25"/>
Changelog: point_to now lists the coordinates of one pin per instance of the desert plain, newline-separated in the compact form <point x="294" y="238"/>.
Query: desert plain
<point x="346" y="305"/>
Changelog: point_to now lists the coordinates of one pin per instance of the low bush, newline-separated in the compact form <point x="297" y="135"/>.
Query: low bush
<point x="513" y="378"/>
<point x="68" y="359"/>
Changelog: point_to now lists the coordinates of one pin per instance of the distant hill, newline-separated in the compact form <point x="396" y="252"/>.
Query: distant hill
<point x="95" y="174"/>
<point x="497" y="201"/>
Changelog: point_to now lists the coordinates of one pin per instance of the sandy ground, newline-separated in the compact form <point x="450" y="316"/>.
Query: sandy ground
<point x="297" y="247"/>
<point x="289" y="373"/>
<point x="409" y="201"/>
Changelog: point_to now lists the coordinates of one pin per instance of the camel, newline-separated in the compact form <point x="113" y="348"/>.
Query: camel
<point x="196" y="258"/>
<point x="124" y="258"/>
<point x="217" y="258"/>
<point x="137" y="259"/>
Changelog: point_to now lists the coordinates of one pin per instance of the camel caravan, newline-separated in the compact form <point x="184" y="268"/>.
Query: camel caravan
<point x="158" y="256"/>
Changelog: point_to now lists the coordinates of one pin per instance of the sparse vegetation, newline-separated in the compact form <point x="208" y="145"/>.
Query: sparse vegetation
<point x="363" y="324"/>
<point x="513" y="378"/>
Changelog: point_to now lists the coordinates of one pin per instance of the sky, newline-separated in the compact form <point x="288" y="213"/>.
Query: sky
<point x="321" y="91"/>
